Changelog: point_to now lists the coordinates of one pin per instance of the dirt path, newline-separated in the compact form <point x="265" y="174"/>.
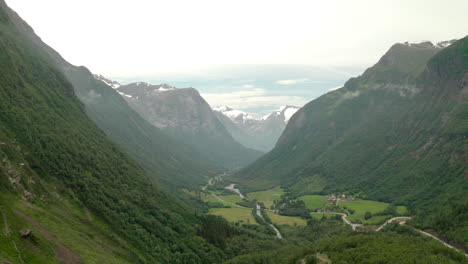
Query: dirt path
<point x="405" y="218"/>
<point x="344" y="218"/>
<point x="393" y="219"/>
<point x="19" y="253"/>
<point x="5" y="220"/>
<point x="224" y="201"/>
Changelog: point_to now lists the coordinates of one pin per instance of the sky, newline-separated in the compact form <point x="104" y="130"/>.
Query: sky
<point x="204" y="43"/>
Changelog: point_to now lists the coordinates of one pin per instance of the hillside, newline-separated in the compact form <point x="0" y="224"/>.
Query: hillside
<point x="62" y="177"/>
<point x="185" y="115"/>
<point x="177" y="165"/>
<point x="257" y="133"/>
<point x="397" y="133"/>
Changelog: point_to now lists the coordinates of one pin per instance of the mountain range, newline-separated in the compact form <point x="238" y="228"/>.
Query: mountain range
<point x="186" y="116"/>
<point x="257" y="133"/>
<point x="184" y="113"/>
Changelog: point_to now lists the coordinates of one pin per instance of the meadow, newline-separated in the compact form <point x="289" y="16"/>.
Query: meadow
<point x="277" y="219"/>
<point x="267" y="197"/>
<point x="235" y="215"/>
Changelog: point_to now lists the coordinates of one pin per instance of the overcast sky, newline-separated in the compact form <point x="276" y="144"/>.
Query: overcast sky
<point x="129" y="38"/>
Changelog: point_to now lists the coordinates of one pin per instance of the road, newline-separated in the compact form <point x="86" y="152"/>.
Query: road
<point x="231" y="187"/>
<point x="259" y="213"/>
<point x="344" y="217"/>
<point x="224" y="201"/>
<point x="393" y="219"/>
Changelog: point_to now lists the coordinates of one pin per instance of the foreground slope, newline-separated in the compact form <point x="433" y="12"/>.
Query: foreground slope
<point x="55" y="161"/>
<point x="174" y="164"/>
<point x="184" y="114"/>
<point x="397" y="133"/>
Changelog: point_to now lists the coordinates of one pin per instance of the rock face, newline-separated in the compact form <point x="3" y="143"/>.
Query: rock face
<point x="257" y="133"/>
<point x="185" y="115"/>
<point x="25" y="233"/>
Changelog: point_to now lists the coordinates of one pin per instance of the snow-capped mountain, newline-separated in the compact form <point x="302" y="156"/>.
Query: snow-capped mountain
<point x="257" y="133"/>
<point x="429" y="44"/>
<point x="111" y="83"/>
<point x="185" y="115"/>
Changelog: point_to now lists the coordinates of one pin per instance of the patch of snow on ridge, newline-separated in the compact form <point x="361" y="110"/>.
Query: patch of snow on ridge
<point x="266" y="116"/>
<point x="126" y="95"/>
<point x="289" y="113"/>
<point x="429" y="44"/>
<point x="234" y="115"/>
<point x="103" y="79"/>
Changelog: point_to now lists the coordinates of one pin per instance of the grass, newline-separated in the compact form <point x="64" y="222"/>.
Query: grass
<point x="235" y="215"/>
<point x="402" y="210"/>
<point x="360" y="207"/>
<point x="286" y="220"/>
<point x="59" y="227"/>
<point x="233" y="198"/>
<point x="314" y="201"/>
<point x="267" y="197"/>
<point x="320" y="215"/>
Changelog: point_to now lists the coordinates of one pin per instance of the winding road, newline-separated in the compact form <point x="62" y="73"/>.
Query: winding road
<point x="344" y="216"/>
<point x="232" y="188"/>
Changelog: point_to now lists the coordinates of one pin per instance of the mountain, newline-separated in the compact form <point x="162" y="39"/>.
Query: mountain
<point x="68" y="194"/>
<point x="185" y="115"/>
<point x="397" y="133"/>
<point x="256" y="133"/>
<point x="176" y="165"/>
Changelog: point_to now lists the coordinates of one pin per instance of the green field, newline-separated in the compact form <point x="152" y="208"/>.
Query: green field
<point x="320" y="215"/>
<point x="286" y="220"/>
<point x="233" y="198"/>
<point x="235" y="215"/>
<point x="267" y="197"/>
<point x="402" y="210"/>
<point x="314" y="201"/>
<point x="360" y="207"/>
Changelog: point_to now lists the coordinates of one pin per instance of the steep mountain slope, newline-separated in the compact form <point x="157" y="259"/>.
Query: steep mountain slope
<point x="397" y="133"/>
<point x="257" y="133"/>
<point x="184" y="114"/>
<point x="56" y="165"/>
<point x="174" y="164"/>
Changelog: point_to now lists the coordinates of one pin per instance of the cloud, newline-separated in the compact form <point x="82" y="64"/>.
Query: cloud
<point x="256" y="98"/>
<point x="90" y="97"/>
<point x="291" y="81"/>
<point x="248" y="86"/>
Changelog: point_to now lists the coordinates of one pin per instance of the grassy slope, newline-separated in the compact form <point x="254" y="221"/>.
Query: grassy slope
<point x="397" y="133"/>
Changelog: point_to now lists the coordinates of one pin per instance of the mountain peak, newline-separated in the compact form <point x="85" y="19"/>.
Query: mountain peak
<point x="107" y="81"/>
<point x="429" y="44"/>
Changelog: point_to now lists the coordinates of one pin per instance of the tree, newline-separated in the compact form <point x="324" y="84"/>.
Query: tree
<point x="368" y="215"/>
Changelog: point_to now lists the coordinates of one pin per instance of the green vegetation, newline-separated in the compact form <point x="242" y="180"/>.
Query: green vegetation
<point x="362" y="208"/>
<point x="235" y="215"/>
<point x="387" y="247"/>
<point x="395" y="134"/>
<point x="277" y="219"/>
<point x="314" y="202"/>
<point x="319" y="216"/>
<point x="267" y="197"/>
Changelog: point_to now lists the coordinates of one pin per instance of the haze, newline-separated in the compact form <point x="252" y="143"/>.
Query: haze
<point x="183" y="42"/>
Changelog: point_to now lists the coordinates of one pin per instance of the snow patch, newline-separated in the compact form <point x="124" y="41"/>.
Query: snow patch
<point x="288" y="113"/>
<point x="126" y="95"/>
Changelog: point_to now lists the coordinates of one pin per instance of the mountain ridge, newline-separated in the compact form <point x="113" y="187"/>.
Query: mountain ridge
<point x="185" y="115"/>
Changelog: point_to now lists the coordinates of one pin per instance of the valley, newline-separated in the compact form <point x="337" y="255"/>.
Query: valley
<point x="321" y="207"/>
<point x="94" y="170"/>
